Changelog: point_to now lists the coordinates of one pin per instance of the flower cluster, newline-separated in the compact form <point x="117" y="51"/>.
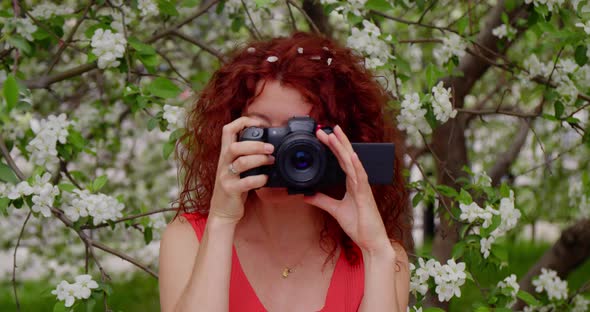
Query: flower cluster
<point x="453" y="44"/>
<point x="148" y="8"/>
<point x="508" y="219"/>
<point x="367" y="41"/>
<point x="448" y="278"/>
<point x="23" y="27"/>
<point x="48" y="10"/>
<point x="108" y="47"/>
<point x="511" y="284"/>
<point x="43" y="147"/>
<point x="355" y="6"/>
<point x="175" y="116"/>
<point x="580" y="304"/>
<point x="43" y="192"/>
<point x="81" y="289"/>
<point x="411" y="117"/>
<point x="82" y="203"/>
<point x="549" y="282"/>
<point x="565" y="86"/>
<point x="503" y="31"/>
<point x="441" y="105"/>
<point x="551" y="4"/>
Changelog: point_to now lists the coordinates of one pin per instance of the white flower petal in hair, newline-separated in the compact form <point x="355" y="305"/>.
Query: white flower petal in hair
<point x="326" y="48"/>
<point x="315" y="57"/>
<point x="329" y="61"/>
<point x="272" y="59"/>
<point x="251" y="50"/>
<point x="300" y="50"/>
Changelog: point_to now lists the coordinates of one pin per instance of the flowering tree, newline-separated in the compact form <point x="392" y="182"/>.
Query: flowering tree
<point x="495" y="120"/>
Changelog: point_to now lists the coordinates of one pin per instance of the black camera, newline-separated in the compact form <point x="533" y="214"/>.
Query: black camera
<point x="303" y="164"/>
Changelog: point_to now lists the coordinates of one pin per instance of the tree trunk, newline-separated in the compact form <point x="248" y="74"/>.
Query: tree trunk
<point x="569" y="252"/>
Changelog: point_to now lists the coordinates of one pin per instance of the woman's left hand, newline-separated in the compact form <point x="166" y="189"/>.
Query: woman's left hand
<point x="357" y="211"/>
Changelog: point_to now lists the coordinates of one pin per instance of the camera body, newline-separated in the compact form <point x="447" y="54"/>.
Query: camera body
<point x="303" y="164"/>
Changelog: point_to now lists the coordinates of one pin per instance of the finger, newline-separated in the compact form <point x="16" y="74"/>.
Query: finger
<point x="229" y="131"/>
<point x="343" y="138"/>
<point x="244" y="163"/>
<point x="361" y="173"/>
<point x="323" y="202"/>
<point x="248" y="183"/>
<point x="237" y="149"/>
<point x="344" y="157"/>
<point x="325" y="138"/>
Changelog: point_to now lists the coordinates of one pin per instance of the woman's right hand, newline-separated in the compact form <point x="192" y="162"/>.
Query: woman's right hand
<point x="230" y="191"/>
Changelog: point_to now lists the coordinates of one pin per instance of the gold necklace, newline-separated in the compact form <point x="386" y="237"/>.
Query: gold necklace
<point x="288" y="269"/>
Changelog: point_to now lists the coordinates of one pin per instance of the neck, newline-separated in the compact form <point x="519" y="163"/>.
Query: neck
<point x="287" y="224"/>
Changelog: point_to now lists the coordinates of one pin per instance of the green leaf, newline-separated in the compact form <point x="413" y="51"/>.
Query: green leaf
<point x="378" y="5"/>
<point x="147" y="235"/>
<point x="458" y="250"/>
<point x="462" y="24"/>
<point x="581" y="55"/>
<point x="164" y="88"/>
<point x="262" y="3"/>
<point x="7" y="175"/>
<point x="76" y="139"/>
<point x="4" y="201"/>
<point x="99" y="183"/>
<point x="67" y="187"/>
<point x="141" y="47"/>
<point x="447" y="190"/>
<point x="60" y="307"/>
<point x="433" y="309"/>
<point x="528" y="298"/>
<point x="464" y="197"/>
<point x="10" y="92"/>
<point x="418" y="197"/>
<point x="19" y="43"/>
<point x="558" y="106"/>
<point x="152" y="123"/>
<point x="549" y="117"/>
<point x="167" y="7"/>
<point x="168" y="148"/>
<point x="504" y="18"/>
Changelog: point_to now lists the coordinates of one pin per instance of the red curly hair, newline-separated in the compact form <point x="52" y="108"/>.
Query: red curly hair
<point x="341" y="91"/>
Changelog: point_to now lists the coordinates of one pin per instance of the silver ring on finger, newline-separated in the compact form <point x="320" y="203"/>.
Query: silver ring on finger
<point x="232" y="170"/>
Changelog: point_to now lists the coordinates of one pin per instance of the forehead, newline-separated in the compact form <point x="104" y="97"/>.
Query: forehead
<point x="277" y="103"/>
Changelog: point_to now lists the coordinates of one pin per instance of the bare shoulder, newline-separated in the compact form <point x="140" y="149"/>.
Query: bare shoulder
<point x="180" y="228"/>
<point x="178" y="250"/>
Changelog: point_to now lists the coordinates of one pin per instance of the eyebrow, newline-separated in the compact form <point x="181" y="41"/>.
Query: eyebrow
<point x="259" y="115"/>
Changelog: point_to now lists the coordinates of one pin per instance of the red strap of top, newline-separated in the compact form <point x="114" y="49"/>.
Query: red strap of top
<point x="345" y="292"/>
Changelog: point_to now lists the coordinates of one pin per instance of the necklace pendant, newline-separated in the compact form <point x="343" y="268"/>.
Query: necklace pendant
<point x="286" y="272"/>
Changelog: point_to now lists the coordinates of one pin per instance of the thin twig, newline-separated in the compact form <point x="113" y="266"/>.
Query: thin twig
<point x="84" y="227"/>
<point x="22" y="230"/>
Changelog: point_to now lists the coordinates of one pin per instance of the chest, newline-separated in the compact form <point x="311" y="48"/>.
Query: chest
<point x="258" y="281"/>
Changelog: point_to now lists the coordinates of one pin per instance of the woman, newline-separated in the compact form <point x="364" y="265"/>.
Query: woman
<point x="240" y="246"/>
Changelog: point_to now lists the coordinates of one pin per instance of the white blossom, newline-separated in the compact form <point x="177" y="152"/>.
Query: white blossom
<point x="585" y="26"/>
<point x="65" y="292"/>
<point x="99" y="206"/>
<point x="448" y="278"/>
<point x="411" y="117"/>
<point x="367" y="41"/>
<point x="23" y="27"/>
<point x="43" y="147"/>
<point x="175" y="115"/>
<point x="81" y="289"/>
<point x="43" y="201"/>
<point x="486" y="245"/>
<point x="482" y="179"/>
<point x="108" y="47"/>
<point x="441" y="104"/>
<point x="511" y="284"/>
<point x="549" y="282"/>
<point x="452" y="44"/>
<point x="47" y="10"/>
<point x="503" y="31"/>
<point x="580" y="304"/>
<point x="551" y="4"/>
<point x="148" y="8"/>
<point x="356" y="7"/>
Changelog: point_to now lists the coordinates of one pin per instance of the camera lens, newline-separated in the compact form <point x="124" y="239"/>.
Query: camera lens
<point x="302" y="160"/>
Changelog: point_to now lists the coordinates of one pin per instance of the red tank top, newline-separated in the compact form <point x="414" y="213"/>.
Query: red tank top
<point x="344" y="293"/>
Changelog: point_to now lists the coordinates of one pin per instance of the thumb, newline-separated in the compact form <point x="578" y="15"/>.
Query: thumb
<point x="323" y="202"/>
